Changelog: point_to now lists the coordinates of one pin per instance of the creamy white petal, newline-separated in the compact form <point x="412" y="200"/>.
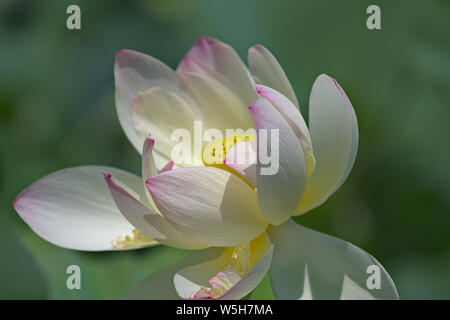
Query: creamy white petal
<point x="266" y="70"/>
<point x="136" y="72"/>
<point x="292" y="115"/>
<point x="140" y="214"/>
<point x="148" y="167"/>
<point x="220" y="107"/>
<point x="209" y="205"/>
<point x="215" y="59"/>
<point x="73" y="208"/>
<point x="159" y="113"/>
<point x="281" y="178"/>
<point x="328" y="267"/>
<point x="167" y="167"/>
<point x="334" y="133"/>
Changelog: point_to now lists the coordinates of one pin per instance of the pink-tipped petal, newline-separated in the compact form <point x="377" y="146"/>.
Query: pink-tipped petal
<point x="140" y="214"/>
<point x="136" y="72"/>
<point x="266" y="70"/>
<point x="148" y="167"/>
<point x="148" y="163"/>
<point x="167" y="167"/>
<point x="294" y="118"/>
<point x="281" y="165"/>
<point x="334" y="134"/>
<point x="205" y="49"/>
<point x="219" y="61"/>
<point x="72" y="208"/>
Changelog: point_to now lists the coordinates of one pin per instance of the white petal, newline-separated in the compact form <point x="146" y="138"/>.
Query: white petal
<point x="159" y="113"/>
<point x="281" y="182"/>
<point x="220" y="107"/>
<point x="73" y="208"/>
<point x="328" y="267"/>
<point x="292" y="115"/>
<point x="209" y="205"/>
<point x="159" y="285"/>
<point x="136" y="72"/>
<point x="140" y="214"/>
<point x="215" y="59"/>
<point x="148" y="167"/>
<point x="266" y="70"/>
<point x="167" y="167"/>
<point x="334" y="133"/>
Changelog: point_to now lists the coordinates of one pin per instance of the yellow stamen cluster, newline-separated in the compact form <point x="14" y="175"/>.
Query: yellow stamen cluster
<point x="137" y="238"/>
<point x="214" y="154"/>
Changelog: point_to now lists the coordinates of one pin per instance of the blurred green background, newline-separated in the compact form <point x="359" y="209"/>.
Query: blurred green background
<point x="57" y="111"/>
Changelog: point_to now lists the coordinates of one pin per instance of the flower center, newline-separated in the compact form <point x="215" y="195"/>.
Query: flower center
<point x="214" y="154"/>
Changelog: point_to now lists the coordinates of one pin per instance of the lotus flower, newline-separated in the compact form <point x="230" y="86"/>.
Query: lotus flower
<point x="237" y="218"/>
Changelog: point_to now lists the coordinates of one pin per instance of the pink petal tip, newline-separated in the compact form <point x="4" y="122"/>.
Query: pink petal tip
<point x="107" y="175"/>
